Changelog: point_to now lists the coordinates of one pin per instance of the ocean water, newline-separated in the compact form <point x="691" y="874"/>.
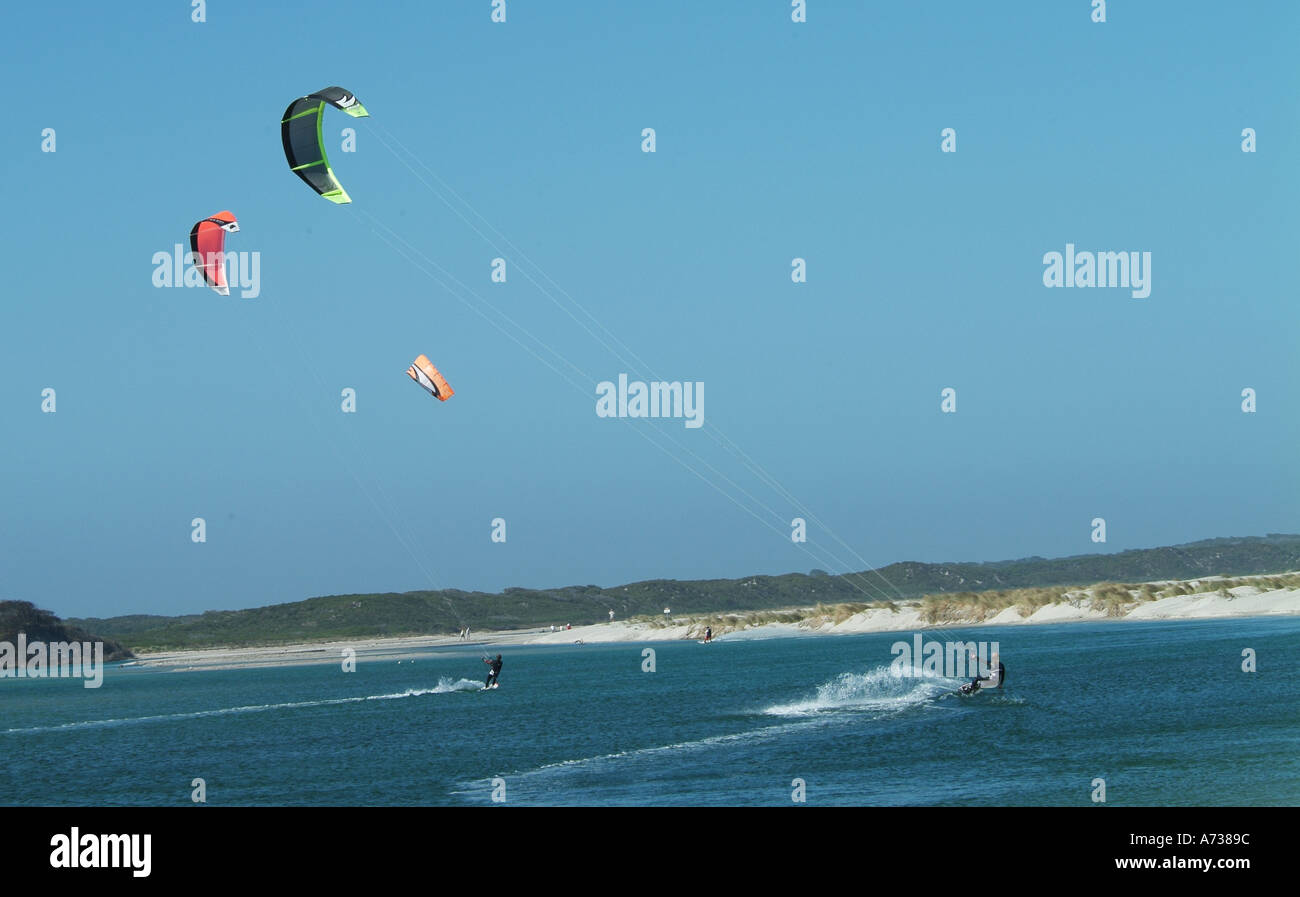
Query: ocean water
<point x="1161" y="711"/>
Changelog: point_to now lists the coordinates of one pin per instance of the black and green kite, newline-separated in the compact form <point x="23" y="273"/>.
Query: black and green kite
<point x="304" y="147"/>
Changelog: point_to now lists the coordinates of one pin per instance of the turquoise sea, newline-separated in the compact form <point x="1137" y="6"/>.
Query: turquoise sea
<point x="1161" y="711"/>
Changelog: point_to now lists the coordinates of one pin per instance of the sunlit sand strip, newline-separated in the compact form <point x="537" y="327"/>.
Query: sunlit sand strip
<point x="1079" y="605"/>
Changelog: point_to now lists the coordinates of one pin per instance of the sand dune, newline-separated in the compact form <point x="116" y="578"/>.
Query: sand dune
<point x="1079" y="606"/>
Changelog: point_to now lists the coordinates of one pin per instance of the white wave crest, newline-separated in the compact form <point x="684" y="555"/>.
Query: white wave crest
<point x="878" y="689"/>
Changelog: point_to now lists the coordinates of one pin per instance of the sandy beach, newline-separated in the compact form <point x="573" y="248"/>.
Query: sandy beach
<point x="1079" y="606"/>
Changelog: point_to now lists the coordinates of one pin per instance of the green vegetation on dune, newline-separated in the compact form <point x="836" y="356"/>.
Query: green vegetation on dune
<point x="132" y="623"/>
<point x="951" y="591"/>
<point x="43" y="626"/>
<point x="966" y="608"/>
<point x="1116" y="599"/>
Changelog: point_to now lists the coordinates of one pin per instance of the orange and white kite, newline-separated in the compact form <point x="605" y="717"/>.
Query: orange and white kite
<point x="424" y="373"/>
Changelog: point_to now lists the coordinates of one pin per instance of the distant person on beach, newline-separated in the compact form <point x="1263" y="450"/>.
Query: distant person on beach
<point x="494" y="672"/>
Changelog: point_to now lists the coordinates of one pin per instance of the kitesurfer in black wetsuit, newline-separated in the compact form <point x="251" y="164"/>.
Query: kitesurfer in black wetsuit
<point x="494" y="672"/>
<point x="974" y="685"/>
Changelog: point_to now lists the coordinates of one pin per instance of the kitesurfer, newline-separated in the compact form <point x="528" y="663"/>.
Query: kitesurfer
<point x="495" y="671"/>
<point x="974" y="684"/>
<point x="708" y="633"/>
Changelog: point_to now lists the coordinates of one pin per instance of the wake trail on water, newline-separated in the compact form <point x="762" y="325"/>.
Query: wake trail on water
<point x="586" y="763"/>
<point x="881" y="689"/>
<point x="445" y="685"/>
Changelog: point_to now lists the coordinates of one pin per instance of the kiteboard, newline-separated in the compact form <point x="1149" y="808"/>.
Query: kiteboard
<point x="486" y="687"/>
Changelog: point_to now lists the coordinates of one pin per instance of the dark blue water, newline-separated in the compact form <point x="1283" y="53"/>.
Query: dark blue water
<point x="1161" y="711"/>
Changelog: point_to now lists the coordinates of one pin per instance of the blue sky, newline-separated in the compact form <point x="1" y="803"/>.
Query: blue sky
<point x="774" y="141"/>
